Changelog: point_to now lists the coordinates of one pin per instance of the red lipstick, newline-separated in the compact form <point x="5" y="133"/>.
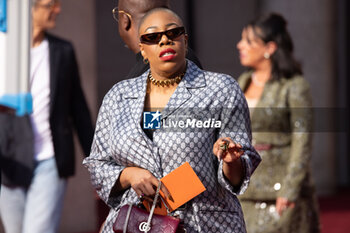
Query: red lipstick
<point x="167" y="54"/>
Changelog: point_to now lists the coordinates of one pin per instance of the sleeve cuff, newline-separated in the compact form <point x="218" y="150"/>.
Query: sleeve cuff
<point x="246" y="177"/>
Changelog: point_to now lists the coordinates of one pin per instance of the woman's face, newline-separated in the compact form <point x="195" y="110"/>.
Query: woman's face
<point x="167" y="57"/>
<point x="251" y="49"/>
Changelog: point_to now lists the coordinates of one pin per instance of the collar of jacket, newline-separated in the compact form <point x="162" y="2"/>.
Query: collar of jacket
<point x="136" y="89"/>
<point x="194" y="78"/>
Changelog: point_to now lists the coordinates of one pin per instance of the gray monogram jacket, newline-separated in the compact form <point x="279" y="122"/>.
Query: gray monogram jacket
<point x="201" y="96"/>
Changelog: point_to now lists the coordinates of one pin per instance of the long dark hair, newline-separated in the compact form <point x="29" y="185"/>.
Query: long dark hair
<point x="273" y="27"/>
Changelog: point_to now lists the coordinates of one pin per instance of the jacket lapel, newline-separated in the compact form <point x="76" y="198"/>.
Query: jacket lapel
<point x="136" y="92"/>
<point x="194" y="78"/>
<point x="244" y="80"/>
<point x="54" y="56"/>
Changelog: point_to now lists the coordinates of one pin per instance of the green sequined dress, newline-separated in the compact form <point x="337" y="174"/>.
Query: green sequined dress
<point x="281" y="126"/>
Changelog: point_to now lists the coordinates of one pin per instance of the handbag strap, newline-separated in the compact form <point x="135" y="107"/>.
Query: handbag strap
<point x="148" y="224"/>
<point x="165" y="205"/>
<point x="153" y="207"/>
<point x="125" y="227"/>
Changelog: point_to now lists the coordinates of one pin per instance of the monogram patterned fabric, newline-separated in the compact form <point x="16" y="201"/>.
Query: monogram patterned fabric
<point x="120" y="142"/>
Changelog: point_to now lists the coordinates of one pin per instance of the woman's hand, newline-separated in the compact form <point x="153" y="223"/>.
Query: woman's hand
<point x="227" y="150"/>
<point x="282" y="204"/>
<point x="230" y="152"/>
<point x="143" y="182"/>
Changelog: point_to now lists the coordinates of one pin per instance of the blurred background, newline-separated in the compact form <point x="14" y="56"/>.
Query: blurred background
<point x="320" y="31"/>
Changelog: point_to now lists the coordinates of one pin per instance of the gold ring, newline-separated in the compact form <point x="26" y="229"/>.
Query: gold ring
<point x="224" y="146"/>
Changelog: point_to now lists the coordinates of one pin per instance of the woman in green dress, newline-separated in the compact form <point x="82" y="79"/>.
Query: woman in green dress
<point x="281" y="196"/>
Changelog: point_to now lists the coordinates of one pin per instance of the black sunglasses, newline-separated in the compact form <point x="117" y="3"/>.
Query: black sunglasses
<point x="154" y="38"/>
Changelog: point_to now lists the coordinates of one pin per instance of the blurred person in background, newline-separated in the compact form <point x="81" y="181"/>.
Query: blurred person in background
<point x="32" y="201"/>
<point x="128" y="15"/>
<point x="281" y="195"/>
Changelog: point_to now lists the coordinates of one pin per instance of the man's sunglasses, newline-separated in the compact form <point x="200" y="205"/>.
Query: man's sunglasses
<point x="154" y="38"/>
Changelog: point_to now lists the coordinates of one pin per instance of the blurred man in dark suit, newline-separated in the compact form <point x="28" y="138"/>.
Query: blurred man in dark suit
<point x="38" y="162"/>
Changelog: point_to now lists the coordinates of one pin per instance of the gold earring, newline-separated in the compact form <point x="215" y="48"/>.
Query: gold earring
<point x="145" y="60"/>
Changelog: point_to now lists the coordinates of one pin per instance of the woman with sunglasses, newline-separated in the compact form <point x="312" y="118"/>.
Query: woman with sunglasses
<point x="281" y="195"/>
<point x="128" y="15"/>
<point x="128" y="158"/>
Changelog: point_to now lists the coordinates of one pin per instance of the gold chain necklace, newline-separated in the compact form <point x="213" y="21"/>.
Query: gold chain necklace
<point x="165" y="83"/>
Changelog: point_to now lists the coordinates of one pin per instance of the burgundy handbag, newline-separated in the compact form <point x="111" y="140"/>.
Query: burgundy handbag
<point x="133" y="219"/>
